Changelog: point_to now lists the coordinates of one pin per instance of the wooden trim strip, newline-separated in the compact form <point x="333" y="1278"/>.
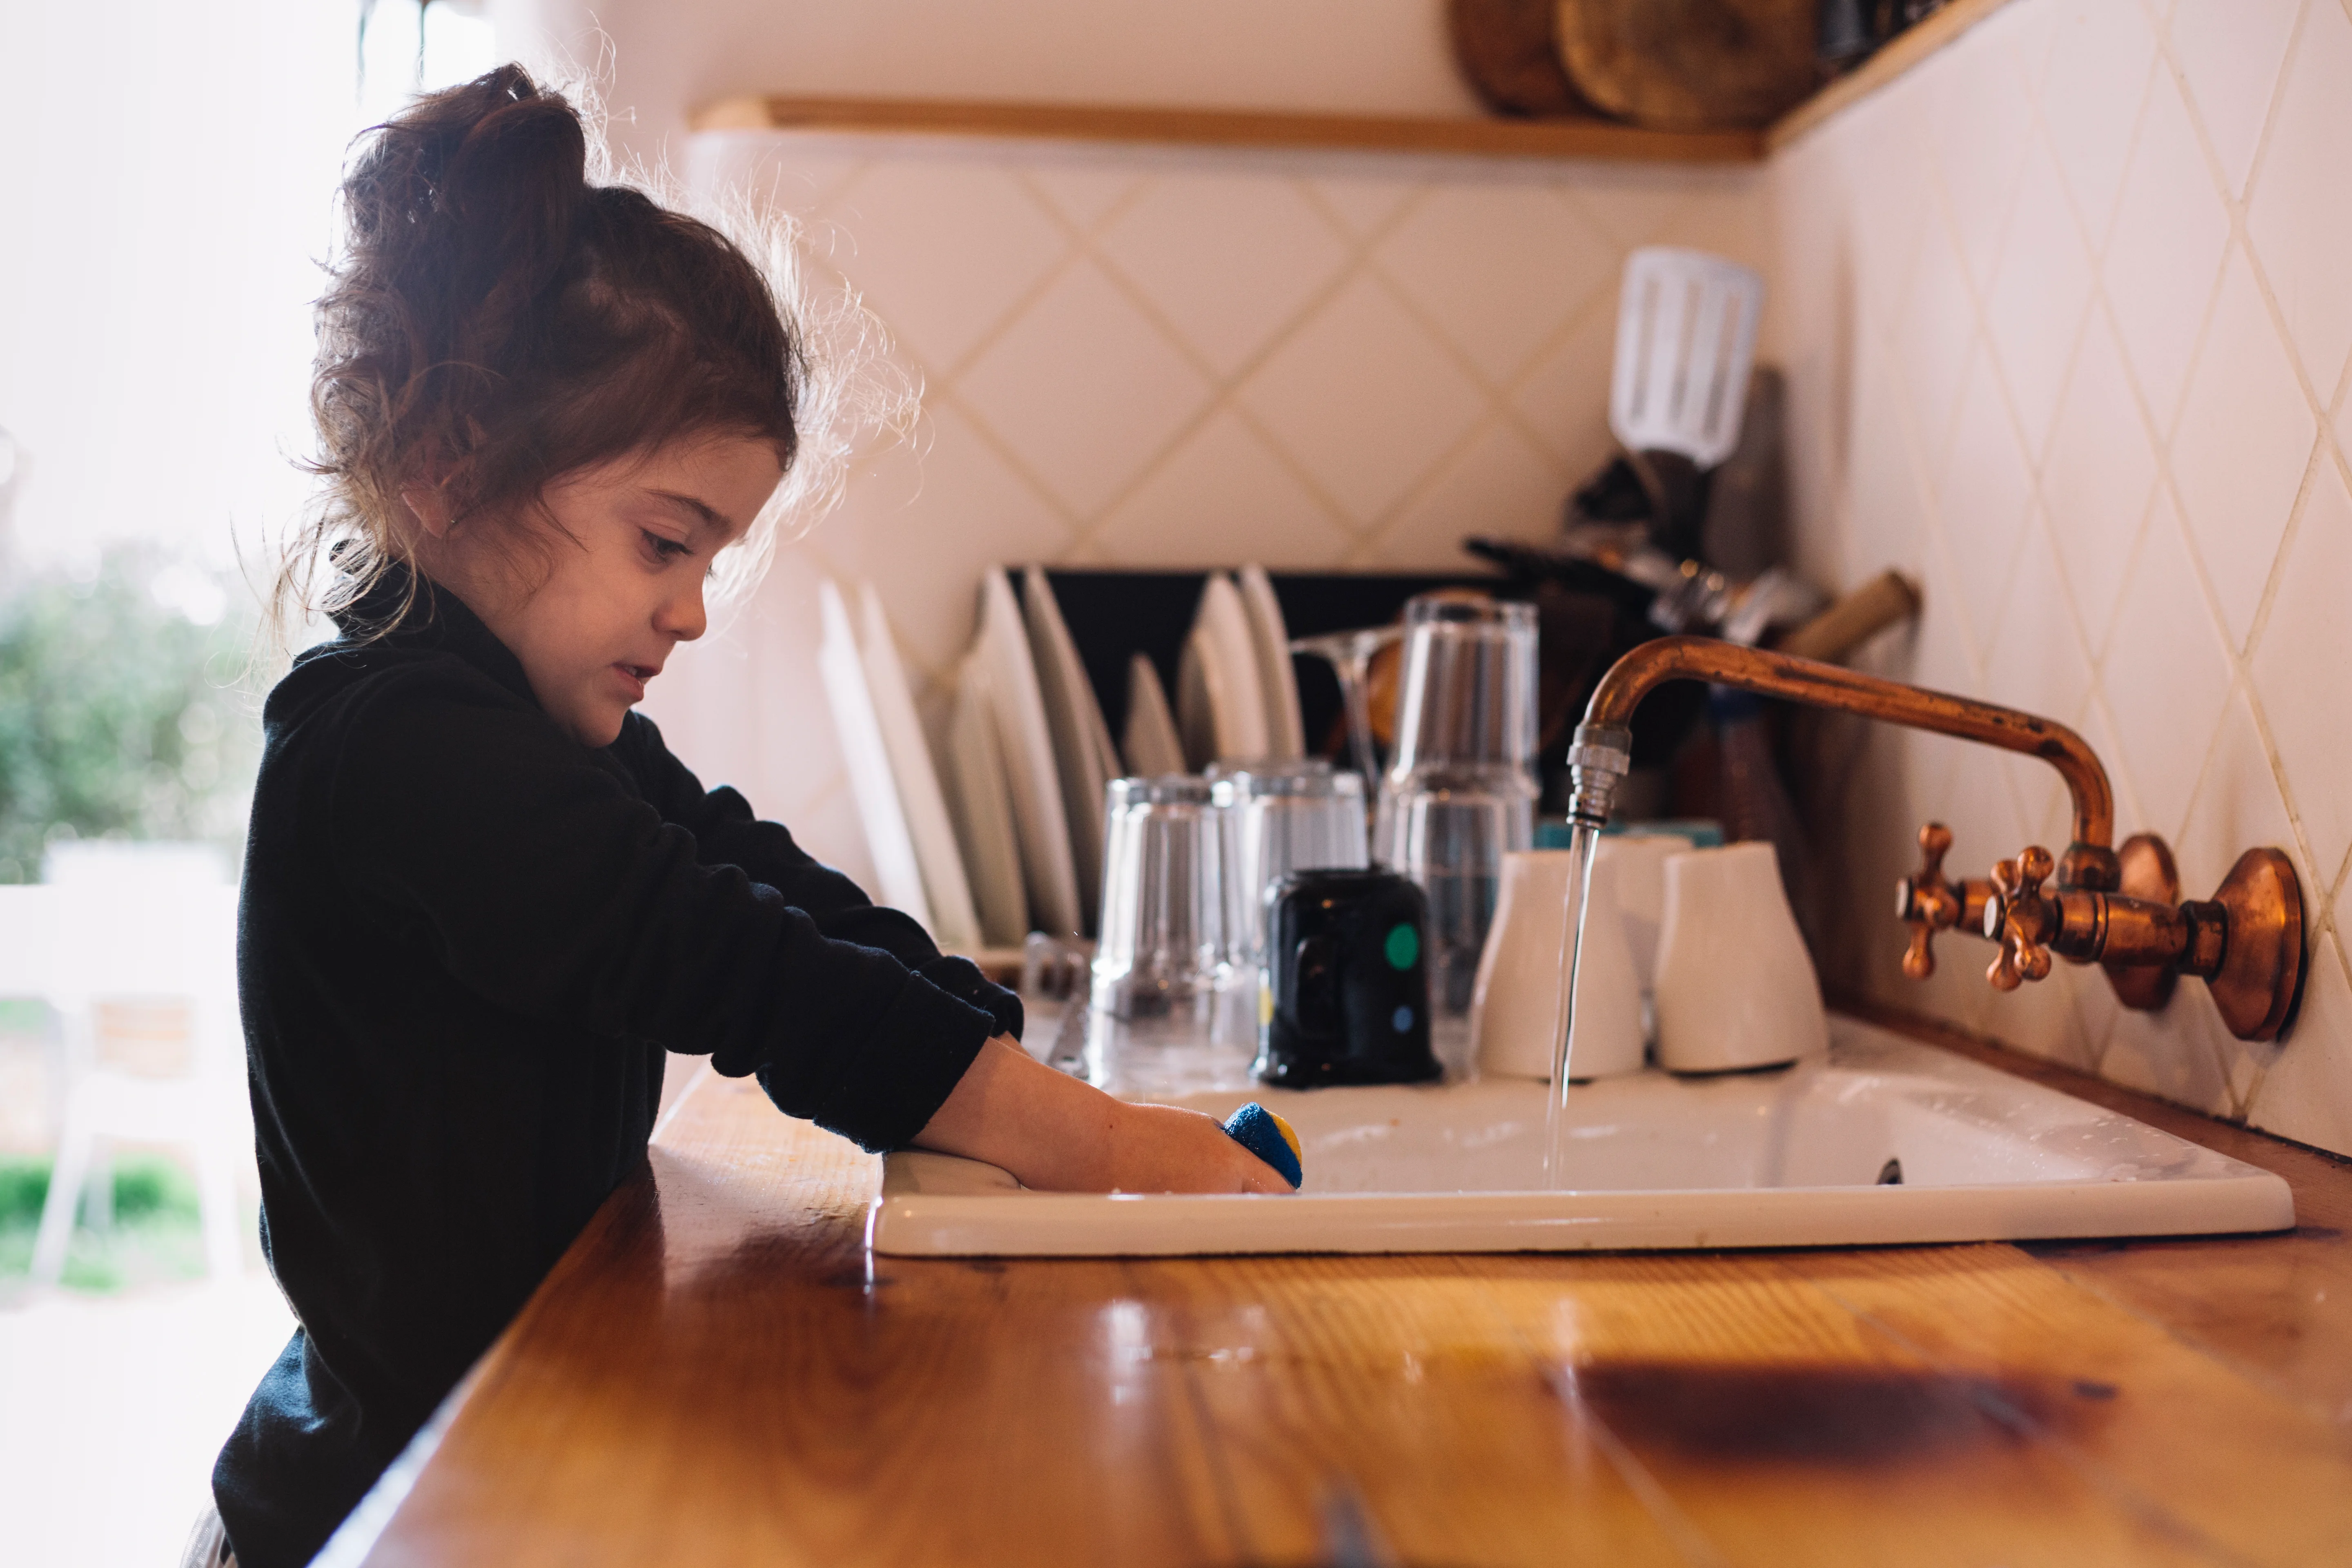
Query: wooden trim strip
<point x="1899" y="56"/>
<point x="1556" y="138"/>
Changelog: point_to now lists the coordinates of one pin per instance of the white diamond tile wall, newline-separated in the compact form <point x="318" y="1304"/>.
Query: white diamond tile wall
<point x="2067" y="329"/>
<point x="1155" y="358"/>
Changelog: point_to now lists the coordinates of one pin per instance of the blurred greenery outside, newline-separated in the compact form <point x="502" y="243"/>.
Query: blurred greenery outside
<point x="156" y="1237"/>
<point x="122" y="716"/>
<point x="122" y="712"/>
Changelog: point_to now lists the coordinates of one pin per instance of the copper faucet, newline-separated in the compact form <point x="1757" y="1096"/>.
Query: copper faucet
<point x="2121" y="909"/>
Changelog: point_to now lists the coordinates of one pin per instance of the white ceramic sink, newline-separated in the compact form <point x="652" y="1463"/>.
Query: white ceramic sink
<point x="1801" y="1157"/>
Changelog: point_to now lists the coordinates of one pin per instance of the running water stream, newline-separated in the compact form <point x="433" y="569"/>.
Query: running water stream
<point x="1582" y="837"/>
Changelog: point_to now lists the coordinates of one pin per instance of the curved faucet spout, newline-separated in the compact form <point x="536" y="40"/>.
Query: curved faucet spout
<point x="1603" y="744"/>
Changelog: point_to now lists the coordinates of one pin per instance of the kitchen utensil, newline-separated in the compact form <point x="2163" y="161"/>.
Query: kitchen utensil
<point x="1286" y="732"/>
<point x="1163" y="950"/>
<point x="955" y="918"/>
<point x="1509" y="51"/>
<point x="1346" y="983"/>
<point x="1280" y="818"/>
<point x="1461" y="792"/>
<point x="1084" y="760"/>
<point x="1151" y="741"/>
<point x="1685" y="341"/>
<point x="1350" y="656"/>
<point x="1517" y="1002"/>
<point x="1689" y="65"/>
<point x="1854" y="618"/>
<point x="982" y="808"/>
<point x="1040" y="820"/>
<point x="843" y="670"/>
<point x="1734" y="987"/>
<point x="1676" y="594"/>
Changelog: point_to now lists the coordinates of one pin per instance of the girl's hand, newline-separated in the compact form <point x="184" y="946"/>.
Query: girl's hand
<point x="1057" y="1134"/>
<point x="1164" y="1149"/>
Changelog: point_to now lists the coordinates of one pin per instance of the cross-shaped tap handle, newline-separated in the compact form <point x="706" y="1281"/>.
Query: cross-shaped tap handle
<point x="2020" y="919"/>
<point x="1927" y="903"/>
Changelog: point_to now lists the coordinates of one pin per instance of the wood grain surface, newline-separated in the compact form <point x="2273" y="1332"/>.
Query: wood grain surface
<point x="1509" y="51"/>
<point x="1261" y="129"/>
<point x="719" y="1372"/>
<point x="1689" y="65"/>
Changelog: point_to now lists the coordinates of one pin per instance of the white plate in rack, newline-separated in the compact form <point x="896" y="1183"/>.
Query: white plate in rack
<point x="1286" y="730"/>
<point x="871" y="783"/>
<point x="1039" y="818"/>
<point x="1153" y="745"/>
<point x="1220" y="696"/>
<point x="1084" y="758"/>
<point x="983" y="810"/>
<point x="955" y="921"/>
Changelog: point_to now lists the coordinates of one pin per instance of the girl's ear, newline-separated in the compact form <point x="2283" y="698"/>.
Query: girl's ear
<point x="427" y="493"/>
<point x="429" y="505"/>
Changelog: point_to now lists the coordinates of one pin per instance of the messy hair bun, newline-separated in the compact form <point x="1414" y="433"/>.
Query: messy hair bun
<point x="496" y="318"/>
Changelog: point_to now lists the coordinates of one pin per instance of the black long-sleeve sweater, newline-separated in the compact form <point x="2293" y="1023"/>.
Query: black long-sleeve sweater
<point x="466" y="942"/>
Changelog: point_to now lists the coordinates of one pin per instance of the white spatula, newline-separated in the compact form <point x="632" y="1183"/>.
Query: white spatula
<point x="1685" y="339"/>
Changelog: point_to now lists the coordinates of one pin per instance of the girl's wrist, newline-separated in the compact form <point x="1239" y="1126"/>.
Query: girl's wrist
<point x="1051" y="1130"/>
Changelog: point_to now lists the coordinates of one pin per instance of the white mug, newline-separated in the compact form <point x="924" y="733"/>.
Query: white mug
<point x="1514" y="1005"/>
<point x="1640" y="861"/>
<point x="1734" y="987"/>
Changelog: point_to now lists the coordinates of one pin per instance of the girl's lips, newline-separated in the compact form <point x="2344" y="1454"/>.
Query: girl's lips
<point x="636" y="675"/>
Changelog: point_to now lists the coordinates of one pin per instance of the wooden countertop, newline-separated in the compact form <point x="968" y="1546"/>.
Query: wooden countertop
<point x="717" y="1374"/>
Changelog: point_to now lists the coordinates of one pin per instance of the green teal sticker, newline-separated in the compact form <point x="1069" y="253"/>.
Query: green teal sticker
<point x="1403" y="948"/>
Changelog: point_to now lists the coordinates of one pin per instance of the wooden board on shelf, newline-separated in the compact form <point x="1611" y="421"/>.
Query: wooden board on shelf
<point x="1230" y="128"/>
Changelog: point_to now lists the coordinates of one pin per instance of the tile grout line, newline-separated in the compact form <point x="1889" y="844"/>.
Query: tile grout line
<point x="1496" y="413"/>
<point x="1224" y="389"/>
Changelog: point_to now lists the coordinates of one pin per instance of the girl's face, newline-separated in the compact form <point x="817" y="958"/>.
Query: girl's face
<point x="626" y="588"/>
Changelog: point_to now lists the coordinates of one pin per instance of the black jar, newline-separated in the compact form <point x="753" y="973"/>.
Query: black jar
<point x="1346" y="982"/>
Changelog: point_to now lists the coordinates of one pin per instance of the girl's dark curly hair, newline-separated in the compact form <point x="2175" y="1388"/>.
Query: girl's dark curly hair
<point x="495" y="320"/>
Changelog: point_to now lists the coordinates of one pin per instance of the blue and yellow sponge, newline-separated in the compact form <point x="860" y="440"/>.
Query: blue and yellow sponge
<point x="1268" y="1137"/>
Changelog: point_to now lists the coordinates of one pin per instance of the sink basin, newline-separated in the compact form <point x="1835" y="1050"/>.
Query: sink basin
<point x="1886" y="1141"/>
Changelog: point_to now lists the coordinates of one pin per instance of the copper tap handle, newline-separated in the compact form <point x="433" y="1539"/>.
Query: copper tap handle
<point x="1927" y="903"/>
<point x="2020" y="920"/>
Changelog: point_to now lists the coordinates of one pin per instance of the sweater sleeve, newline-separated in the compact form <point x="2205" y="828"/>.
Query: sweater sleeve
<point x="539" y="880"/>
<point x="728" y="832"/>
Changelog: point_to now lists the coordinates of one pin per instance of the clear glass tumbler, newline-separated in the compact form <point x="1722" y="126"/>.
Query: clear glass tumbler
<point x="1164" y="948"/>
<point x="1460" y="791"/>
<point x="1282" y="817"/>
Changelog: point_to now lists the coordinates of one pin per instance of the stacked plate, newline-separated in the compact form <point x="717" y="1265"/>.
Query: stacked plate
<point x="1007" y="837"/>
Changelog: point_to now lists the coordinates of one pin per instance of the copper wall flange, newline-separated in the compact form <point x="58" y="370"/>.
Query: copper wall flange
<point x="2148" y="873"/>
<point x="2261" y="977"/>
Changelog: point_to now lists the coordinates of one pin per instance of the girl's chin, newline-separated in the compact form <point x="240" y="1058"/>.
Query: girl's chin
<point x="596" y="727"/>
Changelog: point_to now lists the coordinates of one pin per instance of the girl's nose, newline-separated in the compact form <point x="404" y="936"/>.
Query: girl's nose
<point x="682" y="616"/>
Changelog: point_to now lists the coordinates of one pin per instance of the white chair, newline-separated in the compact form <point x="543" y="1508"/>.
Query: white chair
<point x="168" y="946"/>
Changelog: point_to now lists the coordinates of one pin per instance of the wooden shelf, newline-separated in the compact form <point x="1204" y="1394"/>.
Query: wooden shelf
<point x="1551" y="139"/>
<point x="1557" y="139"/>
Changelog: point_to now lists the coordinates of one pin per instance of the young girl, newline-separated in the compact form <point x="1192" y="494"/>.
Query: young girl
<point x="481" y="900"/>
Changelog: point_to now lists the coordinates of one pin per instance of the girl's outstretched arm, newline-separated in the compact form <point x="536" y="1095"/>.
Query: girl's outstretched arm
<point x="1059" y="1135"/>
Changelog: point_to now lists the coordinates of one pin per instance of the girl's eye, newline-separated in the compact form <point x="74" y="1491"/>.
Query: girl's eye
<point x="665" y="549"/>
